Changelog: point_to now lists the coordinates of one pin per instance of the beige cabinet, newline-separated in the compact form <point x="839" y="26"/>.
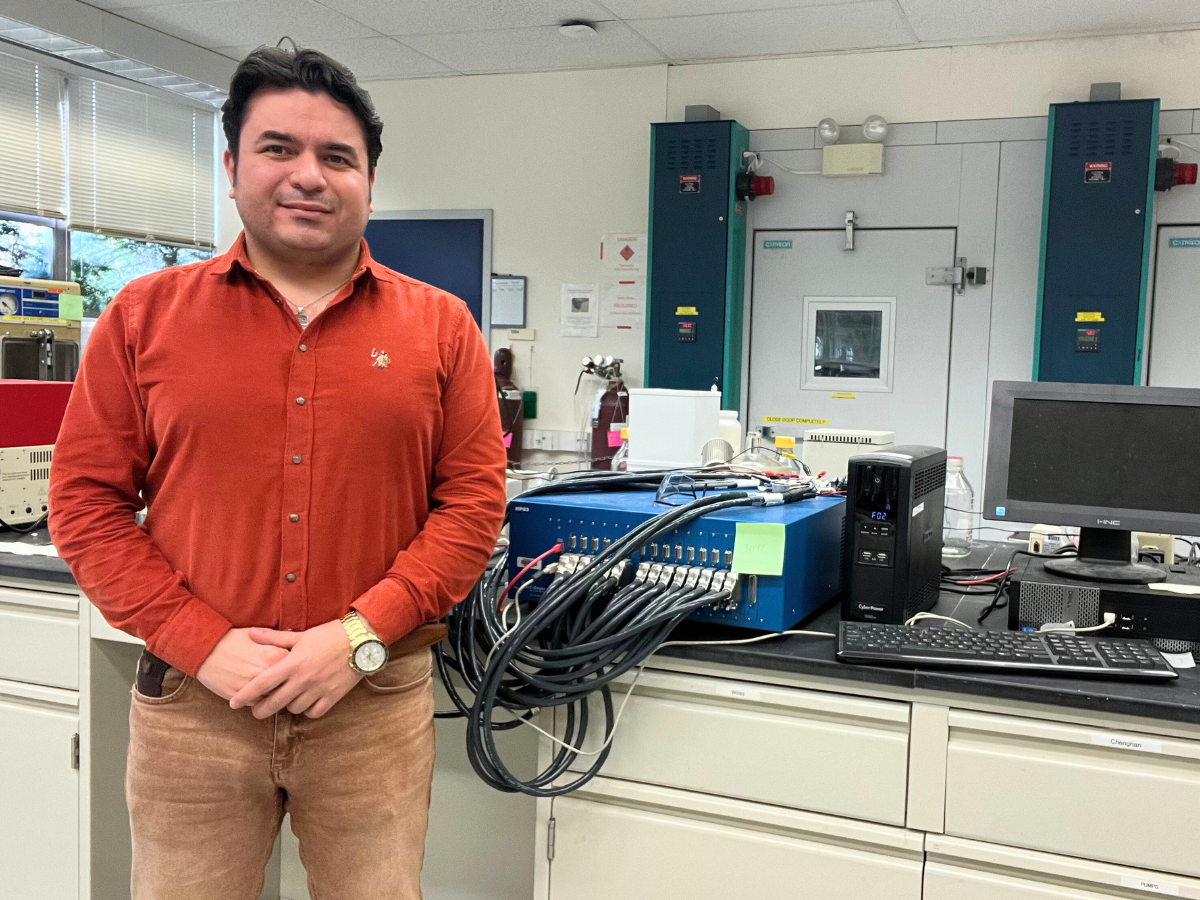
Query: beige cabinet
<point x="811" y="750"/>
<point x="617" y="839"/>
<point x="1107" y="795"/>
<point x="39" y="793"/>
<point x="957" y="869"/>
<point x="39" y="637"/>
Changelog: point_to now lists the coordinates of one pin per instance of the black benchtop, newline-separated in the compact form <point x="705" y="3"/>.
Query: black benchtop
<point x="32" y="568"/>
<point x="1178" y="701"/>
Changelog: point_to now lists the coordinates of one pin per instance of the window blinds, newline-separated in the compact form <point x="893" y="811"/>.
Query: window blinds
<point x="33" y="175"/>
<point x="141" y="166"/>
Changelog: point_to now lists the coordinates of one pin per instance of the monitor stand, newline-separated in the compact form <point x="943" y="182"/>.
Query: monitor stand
<point x="1104" y="556"/>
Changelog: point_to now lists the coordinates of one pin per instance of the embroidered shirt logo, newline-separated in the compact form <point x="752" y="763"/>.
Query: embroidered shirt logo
<point x="382" y="360"/>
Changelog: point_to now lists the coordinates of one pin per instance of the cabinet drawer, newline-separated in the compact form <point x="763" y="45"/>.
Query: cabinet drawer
<point x="956" y="869"/>
<point x="613" y="839"/>
<point x="804" y="749"/>
<point x="39" y="637"/>
<point x="1116" y="797"/>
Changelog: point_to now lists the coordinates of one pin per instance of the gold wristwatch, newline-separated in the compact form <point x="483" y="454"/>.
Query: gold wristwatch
<point x="368" y="654"/>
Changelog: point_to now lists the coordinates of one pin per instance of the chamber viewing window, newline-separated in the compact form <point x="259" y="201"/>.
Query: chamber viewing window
<point x="847" y="343"/>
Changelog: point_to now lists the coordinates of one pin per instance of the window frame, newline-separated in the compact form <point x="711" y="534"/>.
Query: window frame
<point x="60" y="267"/>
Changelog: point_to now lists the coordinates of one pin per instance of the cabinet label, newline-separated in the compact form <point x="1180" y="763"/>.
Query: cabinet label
<point x="1145" y="884"/>
<point x="1123" y="742"/>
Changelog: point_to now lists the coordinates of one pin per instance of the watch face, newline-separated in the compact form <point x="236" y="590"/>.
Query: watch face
<point x="371" y="656"/>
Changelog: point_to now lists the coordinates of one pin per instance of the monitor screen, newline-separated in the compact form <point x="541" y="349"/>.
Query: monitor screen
<point x="1133" y="456"/>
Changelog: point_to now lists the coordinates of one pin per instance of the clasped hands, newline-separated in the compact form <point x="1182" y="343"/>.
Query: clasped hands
<point x="306" y="672"/>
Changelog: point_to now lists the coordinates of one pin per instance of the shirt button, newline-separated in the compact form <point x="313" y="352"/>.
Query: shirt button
<point x="303" y="348"/>
<point x="291" y="576"/>
<point x="296" y="459"/>
<point x="299" y="401"/>
<point x="294" y="517"/>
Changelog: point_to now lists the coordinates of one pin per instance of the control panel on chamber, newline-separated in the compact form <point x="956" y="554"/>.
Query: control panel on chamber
<point x="874" y="524"/>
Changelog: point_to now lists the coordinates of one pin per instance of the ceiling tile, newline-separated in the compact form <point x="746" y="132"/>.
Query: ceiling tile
<point x="370" y="59"/>
<point x="536" y="49"/>
<point x="403" y="17"/>
<point x="777" y="32"/>
<point x="662" y="9"/>
<point x="238" y="23"/>
<point x="959" y="20"/>
<point x="117" y="5"/>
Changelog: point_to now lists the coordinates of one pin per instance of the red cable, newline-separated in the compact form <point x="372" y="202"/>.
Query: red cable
<point x="995" y="577"/>
<point x="557" y="548"/>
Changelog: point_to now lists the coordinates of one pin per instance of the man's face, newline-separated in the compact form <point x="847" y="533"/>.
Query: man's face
<point x="300" y="179"/>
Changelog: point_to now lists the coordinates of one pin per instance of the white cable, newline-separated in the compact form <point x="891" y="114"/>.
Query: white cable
<point x="1175" y="142"/>
<point x="1050" y="627"/>
<point x="516" y="601"/>
<point x="758" y="159"/>
<point x="638" y="674"/>
<point x="926" y="615"/>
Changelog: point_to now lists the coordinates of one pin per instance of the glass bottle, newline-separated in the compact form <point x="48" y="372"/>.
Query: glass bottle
<point x="959" y="518"/>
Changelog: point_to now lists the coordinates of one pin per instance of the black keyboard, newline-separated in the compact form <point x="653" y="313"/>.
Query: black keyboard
<point x="1057" y="653"/>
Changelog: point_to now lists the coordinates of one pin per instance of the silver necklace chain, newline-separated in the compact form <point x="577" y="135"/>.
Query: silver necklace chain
<point x="300" y="309"/>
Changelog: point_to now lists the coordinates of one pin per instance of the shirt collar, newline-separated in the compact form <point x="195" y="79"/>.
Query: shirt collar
<point x="236" y="255"/>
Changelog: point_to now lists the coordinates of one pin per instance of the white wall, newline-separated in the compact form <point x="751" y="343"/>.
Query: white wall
<point x="561" y="159"/>
<point x="977" y="82"/>
<point x="564" y="157"/>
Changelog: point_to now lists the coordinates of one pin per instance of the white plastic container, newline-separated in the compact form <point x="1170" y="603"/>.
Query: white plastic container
<point x="958" y="521"/>
<point x="731" y="429"/>
<point x="668" y="429"/>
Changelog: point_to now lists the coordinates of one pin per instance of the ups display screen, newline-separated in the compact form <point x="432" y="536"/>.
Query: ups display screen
<point x="1110" y="455"/>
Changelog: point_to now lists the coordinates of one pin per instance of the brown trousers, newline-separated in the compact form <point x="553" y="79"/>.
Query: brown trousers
<point x="208" y="786"/>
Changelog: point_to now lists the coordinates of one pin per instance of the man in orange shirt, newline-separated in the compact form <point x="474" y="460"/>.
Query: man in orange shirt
<point x="317" y="442"/>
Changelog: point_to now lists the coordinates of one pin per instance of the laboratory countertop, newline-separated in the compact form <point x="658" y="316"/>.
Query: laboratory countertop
<point x="1178" y="701"/>
<point x="20" y="558"/>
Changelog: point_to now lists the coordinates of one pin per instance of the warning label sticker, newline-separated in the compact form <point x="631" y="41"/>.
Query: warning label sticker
<point x="689" y="184"/>
<point x="1097" y="172"/>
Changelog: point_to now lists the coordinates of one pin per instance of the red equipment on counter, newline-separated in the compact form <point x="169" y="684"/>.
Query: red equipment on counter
<point x="31" y="412"/>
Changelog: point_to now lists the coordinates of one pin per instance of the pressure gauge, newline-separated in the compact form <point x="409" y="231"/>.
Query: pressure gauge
<point x="8" y="305"/>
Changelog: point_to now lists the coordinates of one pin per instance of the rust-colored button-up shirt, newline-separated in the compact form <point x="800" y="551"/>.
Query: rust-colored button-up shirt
<point x="289" y="474"/>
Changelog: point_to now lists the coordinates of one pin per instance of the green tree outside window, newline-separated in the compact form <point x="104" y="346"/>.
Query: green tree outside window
<point x="28" y="247"/>
<point x="103" y="265"/>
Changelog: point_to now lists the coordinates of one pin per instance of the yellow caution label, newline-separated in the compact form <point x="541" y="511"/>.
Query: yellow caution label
<point x="784" y="442"/>
<point x="843" y="395"/>
<point x="795" y="421"/>
<point x="686" y="311"/>
<point x="1089" y="317"/>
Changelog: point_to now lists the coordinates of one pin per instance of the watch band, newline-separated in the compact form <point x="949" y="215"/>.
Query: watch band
<point x="358" y="633"/>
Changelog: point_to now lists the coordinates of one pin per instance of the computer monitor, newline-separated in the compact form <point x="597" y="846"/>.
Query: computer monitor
<point x="1111" y="459"/>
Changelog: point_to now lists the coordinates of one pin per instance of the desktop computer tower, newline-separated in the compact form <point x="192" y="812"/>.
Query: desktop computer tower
<point x="893" y="561"/>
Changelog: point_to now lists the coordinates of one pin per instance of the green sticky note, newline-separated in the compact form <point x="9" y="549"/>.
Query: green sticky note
<point x="758" y="548"/>
<point x="70" y="306"/>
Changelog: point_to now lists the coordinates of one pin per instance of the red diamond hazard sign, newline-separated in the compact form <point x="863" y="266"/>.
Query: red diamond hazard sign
<point x="626" y="252"/>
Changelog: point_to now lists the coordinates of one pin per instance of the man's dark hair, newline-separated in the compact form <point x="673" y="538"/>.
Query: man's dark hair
<point x="309" y="70"/>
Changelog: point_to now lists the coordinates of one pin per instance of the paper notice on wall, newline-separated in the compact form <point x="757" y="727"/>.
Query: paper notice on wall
<point x="580" y="310"/>
<point x="624" y="253"/>
<point x="623" y="304"/>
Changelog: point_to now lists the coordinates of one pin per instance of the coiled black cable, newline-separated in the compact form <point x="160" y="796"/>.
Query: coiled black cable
<point x="588" y="628"/>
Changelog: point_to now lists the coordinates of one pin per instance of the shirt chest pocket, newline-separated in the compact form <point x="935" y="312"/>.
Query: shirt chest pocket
<point x="389" y="393"/>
